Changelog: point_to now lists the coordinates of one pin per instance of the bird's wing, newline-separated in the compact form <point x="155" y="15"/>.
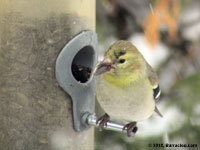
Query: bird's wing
<point x="153" y="78"/>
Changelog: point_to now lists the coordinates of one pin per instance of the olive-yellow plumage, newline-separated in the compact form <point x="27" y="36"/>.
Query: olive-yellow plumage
<point x="126" y="84"/>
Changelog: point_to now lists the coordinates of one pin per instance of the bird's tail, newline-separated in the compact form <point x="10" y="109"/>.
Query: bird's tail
<point x="158" y="112"/>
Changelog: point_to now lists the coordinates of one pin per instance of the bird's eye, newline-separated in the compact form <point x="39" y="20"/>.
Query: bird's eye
<point x="122" y="61"/>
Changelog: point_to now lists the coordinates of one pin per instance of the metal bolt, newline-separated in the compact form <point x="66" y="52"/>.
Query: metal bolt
<point x="91" y="120"/>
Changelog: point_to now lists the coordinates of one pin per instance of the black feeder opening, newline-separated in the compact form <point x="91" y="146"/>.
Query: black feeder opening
<point x="82" y="64"/>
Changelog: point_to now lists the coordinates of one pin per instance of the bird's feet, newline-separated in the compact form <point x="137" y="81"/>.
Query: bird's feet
<point x="102" y="121"/>
<point x="130" y="127"/>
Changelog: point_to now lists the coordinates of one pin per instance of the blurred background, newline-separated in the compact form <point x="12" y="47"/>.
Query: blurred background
<point x="167" y="32"/>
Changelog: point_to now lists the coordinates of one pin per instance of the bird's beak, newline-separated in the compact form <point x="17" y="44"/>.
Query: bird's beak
<point x="103" y="67"/>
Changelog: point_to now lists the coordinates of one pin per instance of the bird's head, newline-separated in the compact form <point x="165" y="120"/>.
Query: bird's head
<point x="121" y="61"/>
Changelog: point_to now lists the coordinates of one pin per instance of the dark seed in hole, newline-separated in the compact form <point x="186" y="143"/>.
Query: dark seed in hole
<point x="135" y="129"/>
<point x="81" y="73"/>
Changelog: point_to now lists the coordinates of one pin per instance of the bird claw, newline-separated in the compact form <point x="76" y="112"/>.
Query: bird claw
<point x="130" y="127"/>
<point x="102" y="121"/>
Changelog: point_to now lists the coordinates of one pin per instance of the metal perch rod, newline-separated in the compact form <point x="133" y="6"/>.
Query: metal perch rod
<point x="91" y="120"/>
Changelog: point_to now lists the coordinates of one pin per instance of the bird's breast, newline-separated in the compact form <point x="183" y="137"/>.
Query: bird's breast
<point x="133" y="102"/>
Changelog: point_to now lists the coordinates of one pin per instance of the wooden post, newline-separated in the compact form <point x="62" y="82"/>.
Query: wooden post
<point x="35" y="113"/>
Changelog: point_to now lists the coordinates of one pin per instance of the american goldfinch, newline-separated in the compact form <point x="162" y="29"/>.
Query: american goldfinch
<point x="127" y="87"/>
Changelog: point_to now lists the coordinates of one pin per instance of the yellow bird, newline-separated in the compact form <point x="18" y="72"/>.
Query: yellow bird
<point x="127" y="86"/>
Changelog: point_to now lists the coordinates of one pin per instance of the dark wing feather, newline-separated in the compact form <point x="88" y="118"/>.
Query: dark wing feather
<point x="153" y="79"/>
<point x="156" y="93"/>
